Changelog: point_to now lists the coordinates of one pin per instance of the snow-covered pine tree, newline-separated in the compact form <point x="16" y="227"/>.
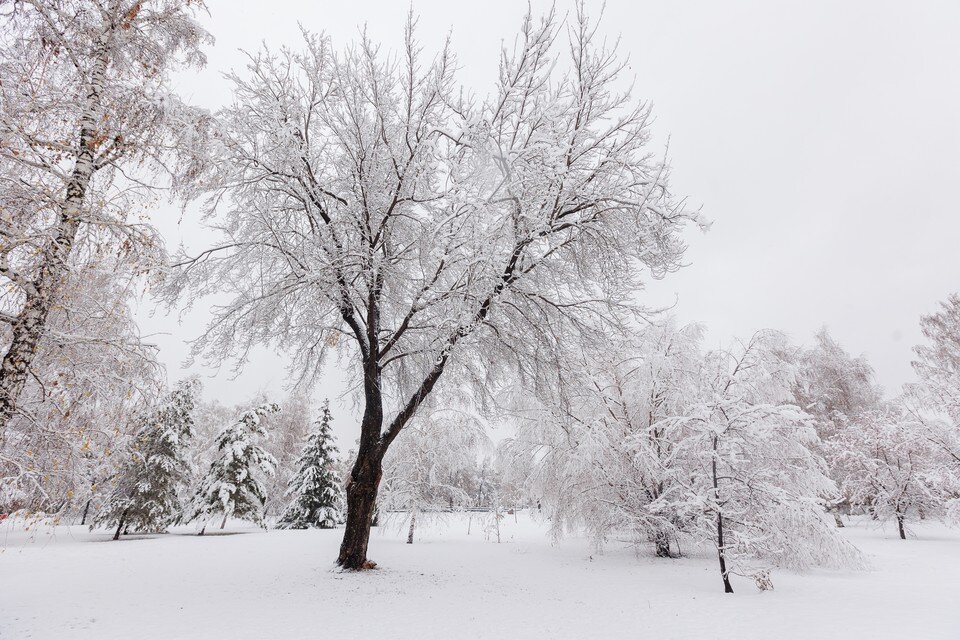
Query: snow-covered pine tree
<point x="147" y="494"/>
<point x="318" y="498"/>
<point x="233" y="485"/>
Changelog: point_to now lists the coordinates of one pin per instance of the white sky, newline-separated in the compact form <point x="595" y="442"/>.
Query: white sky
<point x="821" y="138"/>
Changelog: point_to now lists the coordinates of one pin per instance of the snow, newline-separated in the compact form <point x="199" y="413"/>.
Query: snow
<point x="66" y="582"/>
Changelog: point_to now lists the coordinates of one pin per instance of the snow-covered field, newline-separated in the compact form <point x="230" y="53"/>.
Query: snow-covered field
<point x="69" y="583"/>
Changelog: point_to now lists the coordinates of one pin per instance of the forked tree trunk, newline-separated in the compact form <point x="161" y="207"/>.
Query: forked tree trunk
<point x="413" y="524"/>
<point x="903" y="533"/>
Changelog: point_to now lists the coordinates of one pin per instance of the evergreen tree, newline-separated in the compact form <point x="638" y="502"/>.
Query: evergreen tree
<point x="147" y="494"/>
<point x="233" y="485"/>
<point x="318" y="499"/>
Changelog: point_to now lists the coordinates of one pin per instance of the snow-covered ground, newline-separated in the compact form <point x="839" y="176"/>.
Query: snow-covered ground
<point x="69" y="583"/>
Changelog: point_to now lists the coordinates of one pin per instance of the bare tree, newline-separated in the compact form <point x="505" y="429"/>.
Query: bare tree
<point x="83" y="104"/>
<point x="370" y="204"/>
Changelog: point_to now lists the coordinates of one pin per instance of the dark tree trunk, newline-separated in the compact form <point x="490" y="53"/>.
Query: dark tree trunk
<point x="123" y="520"/>
<point x="661" y="542"/>
<point x="413" y="524"/>
<point x="86" y="510"/>
<point x="727" y="587"/>
<point x="361" y="505"/>
<point x="364" y="479"/>
<point x="223" y="522"/>
<point x="203" y="530"/>
<point x="903" y="533"/>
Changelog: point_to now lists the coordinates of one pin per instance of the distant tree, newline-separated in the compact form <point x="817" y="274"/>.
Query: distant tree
<point x="288" y="430"/>
<point x="426" y="473"/>
<point x="832" y="385"/>
<point x="756" y="488"/>
<point x="316" y="488"/>
<point x="890" y="467"/>
<point x="833" y="388"/>
<point x="148" y="487"/>
<point x="604" y="443"/>
<point x="938" y="366"/>
<point x="234" y="486"/>
<point x="381" y="209"/>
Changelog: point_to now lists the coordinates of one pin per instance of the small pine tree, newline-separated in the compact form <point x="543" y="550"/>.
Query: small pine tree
<point x="233" y="485"/>
<point x="147" y="494"/>
<point x="318" y="499"/>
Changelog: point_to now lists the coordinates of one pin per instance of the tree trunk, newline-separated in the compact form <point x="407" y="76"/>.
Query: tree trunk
<point x="86" y="510"/>
<point x="413" y="523"/>
<point x="123" y="519"/>
<point x="364" y="479"/>
<point x="903" y="533"/>
<point x="661" y="542"/>
<point x="203" y="530"/>
<point x="361" y="502"/>
<point x="727" y="587"/>
<point x="40" y="291"/>
<point x="223" y="522"/>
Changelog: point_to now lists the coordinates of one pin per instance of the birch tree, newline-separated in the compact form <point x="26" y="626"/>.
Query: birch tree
<point x="84" y="104"/>
<point x="370" y="204"/>
<point x="91" y="373"/>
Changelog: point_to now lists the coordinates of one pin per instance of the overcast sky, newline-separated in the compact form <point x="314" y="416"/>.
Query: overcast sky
<point x="821" y="138"/>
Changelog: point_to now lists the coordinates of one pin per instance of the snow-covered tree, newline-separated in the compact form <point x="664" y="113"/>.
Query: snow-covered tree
<point x="289" y="429"/>
<point x="604" y="444"/>
<point x="427" y="471"/>
<point x="85" y="104"/>
<point x="379" y="208"/>
<point x="937" y="395"/>
<point x="234" y="485"/>
<point x="831" y="385"/>
<point x="833" y="388"/>
<point x="889" y="466"/>
<point x="148" y="487"/>
<point x="656" y="441"/>
<point x="315" y="488"/>
<point x="91" y="375"/>
<point x="756" y="488"/>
